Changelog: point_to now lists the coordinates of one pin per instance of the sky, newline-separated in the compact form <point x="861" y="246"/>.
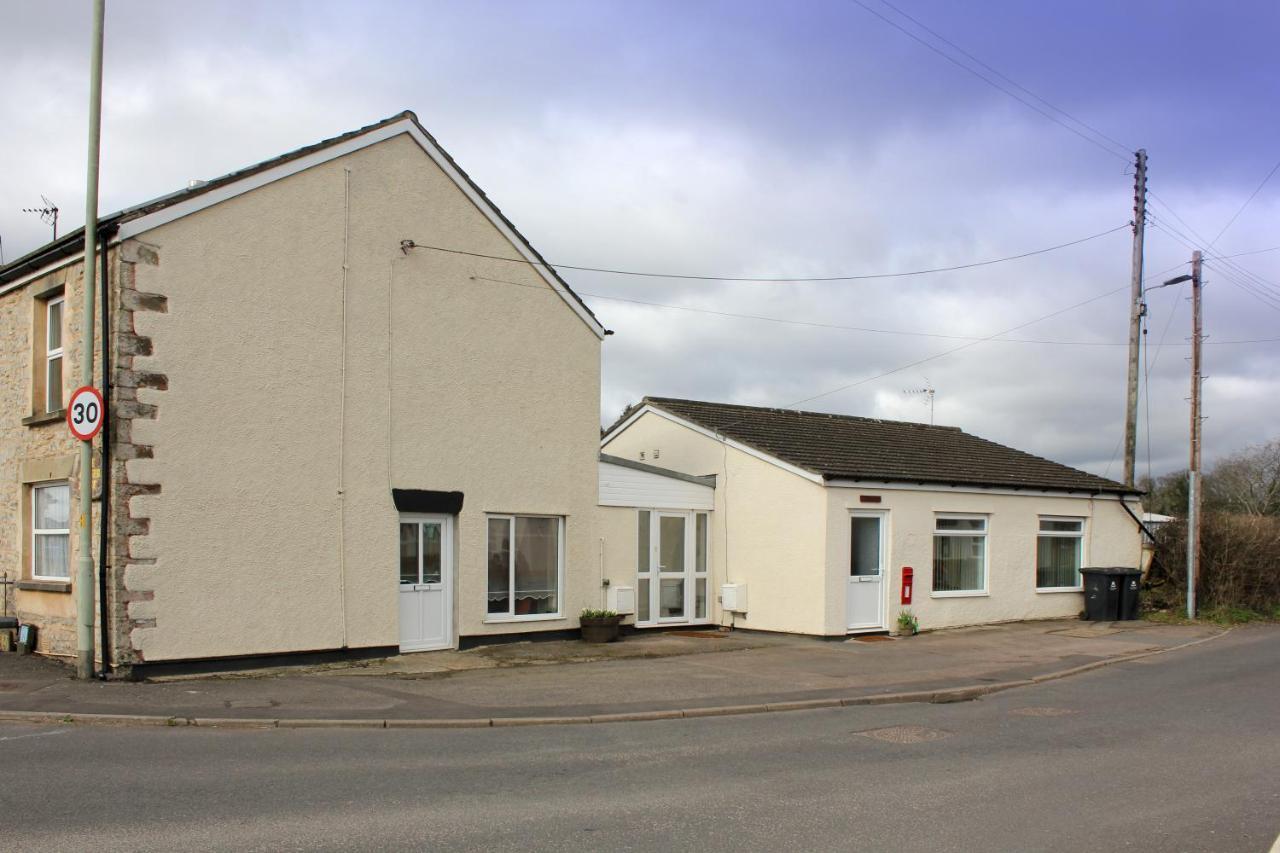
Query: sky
<point x="767" y="140"/>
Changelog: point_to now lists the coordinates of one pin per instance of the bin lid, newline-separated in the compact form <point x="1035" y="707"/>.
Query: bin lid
<point x="1110" y="570"/>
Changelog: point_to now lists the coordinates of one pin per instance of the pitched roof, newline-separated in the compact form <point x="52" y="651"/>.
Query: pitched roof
<point x="72" y="243"/>
<point x="846" y="447"/>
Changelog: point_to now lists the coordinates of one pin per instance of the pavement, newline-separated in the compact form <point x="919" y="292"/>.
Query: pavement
<point x="1168" y="752"/>
<point x="685" y="674"/>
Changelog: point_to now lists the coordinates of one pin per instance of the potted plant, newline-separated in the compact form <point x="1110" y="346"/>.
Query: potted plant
<point x="600" y="626"/>
<point x="908" y="624"/>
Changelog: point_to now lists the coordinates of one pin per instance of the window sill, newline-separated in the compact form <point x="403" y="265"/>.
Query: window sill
<point x="45" y="586"/>
<point x="507" y="620"/>
<point x="45" y="418"/>
<point x="1053" y="589"/>
<point x="975" y="594"/>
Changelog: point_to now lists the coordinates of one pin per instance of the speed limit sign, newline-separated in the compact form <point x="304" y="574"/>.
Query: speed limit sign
<point x="84" y="414"/>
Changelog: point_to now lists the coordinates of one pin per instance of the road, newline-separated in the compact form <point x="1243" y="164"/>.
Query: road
<point x="1178" y="752"/>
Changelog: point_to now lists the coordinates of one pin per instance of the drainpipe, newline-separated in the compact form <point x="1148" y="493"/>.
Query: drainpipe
<point x="105" y="503"/>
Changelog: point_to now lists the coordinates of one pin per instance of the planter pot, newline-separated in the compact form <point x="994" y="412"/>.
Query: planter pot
<point x="906" y="632"/>
<point x="602" y="630"/>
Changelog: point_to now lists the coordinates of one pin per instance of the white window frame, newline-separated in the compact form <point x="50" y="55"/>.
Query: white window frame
<point x="691" y="575"/>
<point x="985" y="533"/>
<point x="53" y="353"/>
<point x="511" y="615"/>
<point x="50" y="531"/>
<point x="1081" y="535"/>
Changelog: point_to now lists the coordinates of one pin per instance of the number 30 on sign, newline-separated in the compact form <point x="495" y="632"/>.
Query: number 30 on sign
<point x="84" y="414"/>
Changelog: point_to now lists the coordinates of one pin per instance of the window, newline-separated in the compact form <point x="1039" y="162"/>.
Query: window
<point x="1059" y="551"/>
<point x="959" y="555"/>
<point x="53" y="354"/>
<point x="525" y="556"/>
<point x="50" y="531"/>
<point x="421" y="552"/>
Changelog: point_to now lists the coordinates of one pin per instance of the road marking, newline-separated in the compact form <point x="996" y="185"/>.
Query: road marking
<point x="37" y="734"/>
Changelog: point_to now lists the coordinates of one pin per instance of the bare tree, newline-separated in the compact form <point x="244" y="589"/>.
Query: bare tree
<point x="1247" y="481"/>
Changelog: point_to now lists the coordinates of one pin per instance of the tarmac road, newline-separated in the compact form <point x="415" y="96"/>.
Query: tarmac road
<point x="1178" y="752"/>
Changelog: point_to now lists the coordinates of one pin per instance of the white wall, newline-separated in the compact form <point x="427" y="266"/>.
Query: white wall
<point x="769" y="527"/>
<point x="1111" y="539"/>
<point x="493" y="390"/>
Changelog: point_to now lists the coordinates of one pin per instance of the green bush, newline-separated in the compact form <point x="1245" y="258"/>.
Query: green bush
<point x="1239" y="567"/>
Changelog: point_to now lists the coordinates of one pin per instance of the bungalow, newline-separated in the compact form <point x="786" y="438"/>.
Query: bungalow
<point x="350" y="411"/>
<point x="829" y="525"/>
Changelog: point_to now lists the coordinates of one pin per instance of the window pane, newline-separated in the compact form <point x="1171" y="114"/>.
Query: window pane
<point x="958" y="563"/>
<point x="537" y="565"/>
<point x="1057" y="561"/>
<point x="499" y="565"/>
<point x="1048" y="525"/>
<point x="962" y="524"/>
<point x="671" y="603"/>
<point x="53" y="385"/>
<point x="431" y="553"/>
<point x="642" y="600"/>
<point x="52" y="508"/>
<point x="700" y="597"/>
<point x="865" y="546"/>
<point x="642" y="543"/>
<point x="54" y="330"/>
<point x="408" y="553"/>
<point x="50" y="558"/>
<point x="700" y="544"/>
<point x="670" y="543"/>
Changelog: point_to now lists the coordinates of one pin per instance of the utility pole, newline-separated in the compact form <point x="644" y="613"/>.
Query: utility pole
<point x="84" y="561"/>
<point x="1136" y="309"/>
<point x="1193" y="478"/>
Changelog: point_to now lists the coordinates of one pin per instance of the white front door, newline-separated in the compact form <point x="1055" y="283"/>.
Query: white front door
<point x="864" y="599"/>
<point x="673" y="573"/>
<point x="426" y="582"/>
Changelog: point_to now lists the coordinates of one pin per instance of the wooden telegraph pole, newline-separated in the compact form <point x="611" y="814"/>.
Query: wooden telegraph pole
<point x="1194" y="499"/>
<point x="1136" y="309"/>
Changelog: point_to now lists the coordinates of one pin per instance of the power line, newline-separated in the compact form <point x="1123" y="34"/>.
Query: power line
<point x="1090" y="139"/>
<point x="778" y="280"/>
<point x="1119" y="145"/>
<point x="733" y="315"/>
<point x="1233" y="219"/>
<point x="920" y="361"/>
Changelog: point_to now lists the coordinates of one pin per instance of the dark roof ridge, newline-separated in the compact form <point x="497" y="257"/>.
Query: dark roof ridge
<point x="781" y="411"/>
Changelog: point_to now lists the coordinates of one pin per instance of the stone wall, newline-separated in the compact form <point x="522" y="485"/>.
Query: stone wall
<point x="37" y="446"/>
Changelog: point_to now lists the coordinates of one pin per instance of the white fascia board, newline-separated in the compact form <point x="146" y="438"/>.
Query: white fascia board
<point x="873" y="485"/>
<point x="715" y="436"/>
<point x="252" y="182"/>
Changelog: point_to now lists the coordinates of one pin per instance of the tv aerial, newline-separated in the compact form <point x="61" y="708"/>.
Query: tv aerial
<point x="48" y="214"/>
<point x="926" y="394"/>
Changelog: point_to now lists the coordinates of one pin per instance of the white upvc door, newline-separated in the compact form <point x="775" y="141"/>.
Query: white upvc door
<point x="866" y="586"/>
<point x="426" y="582"/>
<point x="672" y="553"/>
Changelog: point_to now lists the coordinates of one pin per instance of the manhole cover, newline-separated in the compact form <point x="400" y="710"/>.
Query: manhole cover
<point x="905" y="734"/>
<point x="1042" y="712"/>
<point x="250" y="703"/>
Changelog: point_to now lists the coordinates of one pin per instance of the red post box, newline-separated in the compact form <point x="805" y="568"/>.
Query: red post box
<point x="908" y="574"/>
